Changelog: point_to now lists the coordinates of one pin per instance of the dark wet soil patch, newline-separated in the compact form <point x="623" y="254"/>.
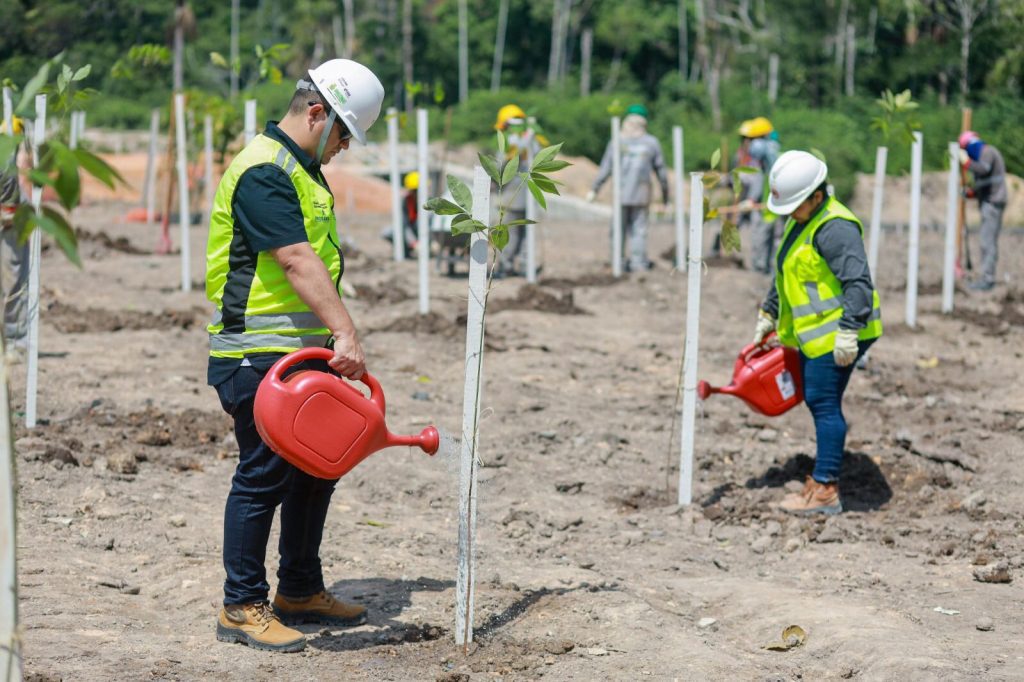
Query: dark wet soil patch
<point x="431" y="323"/>
<point x="592" y="279"/>
<point x="639" y="499"/>
<point x="72" y="320"/>
<point x="1010" y="314"/>
<point x="535" y="298"/>
<point x="721" y="262"/>
<point x="120" y="244"/>
<point x="389" y="292"/>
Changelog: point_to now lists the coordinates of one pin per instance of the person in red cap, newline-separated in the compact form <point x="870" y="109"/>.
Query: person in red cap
<point x="989" y="187"/>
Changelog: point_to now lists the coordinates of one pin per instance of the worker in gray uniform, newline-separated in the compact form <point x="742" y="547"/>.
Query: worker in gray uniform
<point x="986" y="164"/>
<point x="14" y="254"/>
<point x="522" y="141"/>
<point x="641" y="155"/>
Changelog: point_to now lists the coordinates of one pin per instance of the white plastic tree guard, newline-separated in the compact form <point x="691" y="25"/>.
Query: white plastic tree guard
<point x="616" y="200"/>
<point x="690" y="346"/>
<point x="531" y="211"/>
<point x="397" y="222"/>
<point x="952" y="206"/>
<point x="184" y="219"/>
<point x="875" y="233"/>
<point x="677" y="167"/>
<point x="10" y="642"/>
<point x="34" y="260"/>
<point x="478" y="251"/>
<point x="149" y="186"/>
<point x="422" y="216"/>
<point x="250" y="120"/>
<point x="914" y="236"/>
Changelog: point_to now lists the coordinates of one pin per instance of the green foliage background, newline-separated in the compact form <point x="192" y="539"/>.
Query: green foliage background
<point x="916" y="46"/>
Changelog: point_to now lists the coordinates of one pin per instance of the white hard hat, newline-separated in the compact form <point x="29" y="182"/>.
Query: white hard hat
<point x="794" y="177"/>
<point x="352" y="90"/>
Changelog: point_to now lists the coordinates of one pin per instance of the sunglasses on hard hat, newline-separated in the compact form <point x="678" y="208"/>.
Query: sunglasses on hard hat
<point x="346" y="134"/>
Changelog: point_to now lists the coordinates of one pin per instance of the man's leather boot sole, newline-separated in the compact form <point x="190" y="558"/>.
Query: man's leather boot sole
<point x="235" y="636"/>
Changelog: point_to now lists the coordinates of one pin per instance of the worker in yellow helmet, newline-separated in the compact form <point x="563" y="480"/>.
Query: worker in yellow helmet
<point x="521" y="137"/>
<point x="14" y="257"/>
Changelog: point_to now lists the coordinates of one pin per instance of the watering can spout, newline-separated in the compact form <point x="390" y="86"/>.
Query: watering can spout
<point x="428" y="440"/>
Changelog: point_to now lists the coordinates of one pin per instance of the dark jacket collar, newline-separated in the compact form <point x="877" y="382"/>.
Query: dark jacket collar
<point x="305" y="160"/>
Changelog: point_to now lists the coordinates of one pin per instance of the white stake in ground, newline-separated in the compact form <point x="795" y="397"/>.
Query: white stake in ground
<point x="471" y="411"/>
<point x="250" y="120"/>
<point x="875" y="233"/>
<point x="183" y="211"/>
<point x="616" y="200"/>
<point x="952" y="205"/>
<point x="677" y="167"/>
<point x="422" y="216"/>
<point x="693" y="275"/>
<point x="208" y="165"/>
<point x="531" y="211"/>
<point x="149" y="186"/>
<point x="73" y="131"/>
<point x="35" y="253"/>
<point x="10" y="641"/>
<point x="397" y="220"/>
<point x="914" y="236"/>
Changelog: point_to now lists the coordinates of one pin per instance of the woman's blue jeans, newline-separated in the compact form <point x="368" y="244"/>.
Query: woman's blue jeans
<point x="262" y="482"/>
<point x="824" y="385"/>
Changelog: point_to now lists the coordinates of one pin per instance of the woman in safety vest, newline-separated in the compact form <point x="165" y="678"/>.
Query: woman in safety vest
<point x="822" y="302"/>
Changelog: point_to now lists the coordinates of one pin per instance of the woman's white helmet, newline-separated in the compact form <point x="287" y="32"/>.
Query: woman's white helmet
<point x="352" y="90"/>
<point x="793" y="178"/>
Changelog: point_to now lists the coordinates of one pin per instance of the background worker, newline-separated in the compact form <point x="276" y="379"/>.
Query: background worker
<point x="521" y="139"/>
<point x="274" y="272"/>
<point x="763" y="149"/>
<point x="641" y="156"/>
<point x="823" y="303"/>
<point x="14" y="256"/>
<point x="989" y="170"/>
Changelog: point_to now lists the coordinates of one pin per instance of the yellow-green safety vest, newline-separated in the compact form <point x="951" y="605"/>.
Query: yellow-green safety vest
<point x="810" y="295"/>
<point x="257" y="310"/>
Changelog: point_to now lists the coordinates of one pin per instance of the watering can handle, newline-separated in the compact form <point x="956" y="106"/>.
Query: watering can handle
<point x="752" y="349"/>
<point x="317" y="353"/>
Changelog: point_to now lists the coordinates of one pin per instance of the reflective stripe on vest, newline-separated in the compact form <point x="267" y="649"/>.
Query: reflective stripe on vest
<point x="810" y="296"/>
<point x="274" y="318"/>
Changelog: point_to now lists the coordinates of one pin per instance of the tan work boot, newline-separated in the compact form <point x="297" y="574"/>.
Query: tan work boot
<point x="257" y="625"/>
<point x="816" y="498"/>
<point x="318" y="608"/>
<point x="809" y="484"/>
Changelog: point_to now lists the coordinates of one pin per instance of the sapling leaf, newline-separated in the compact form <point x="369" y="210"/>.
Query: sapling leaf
<point x="442" y="206"/>
<point x="462" y="194"/>
<point x="711" y="215"/>
<point x="468" y="227"/>
<point x="82" y="72"/>
<point x="544" y="184"/>
<point x="499" y="236"/>
<point x="709" y="180"/>
<point x="501" y="143"/>
<point x="67" y="183"/>
<point x="730" y="236"/>
<point x="462" y="217"/>
<point x="537" y="193"/>
<point x="550" y="166"/>
<point x="716" y="156"/>
<point x="8" y="148"/>
<point x="98" y="168"/>
<point x="509" y="171"/>
<point x="56" y="225"/>
<point x="490" y="164"/>
<point x="545" y="155"/>
<point x="28" y="95"/>
<point x="749" y="170"/>
<point x="39" y="178"/>
<point x="521" y="221"/>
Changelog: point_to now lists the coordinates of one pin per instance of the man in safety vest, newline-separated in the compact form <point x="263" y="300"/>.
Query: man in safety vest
<point x="822" y="302"/>
<point x="273" y="272"/>
<point x="522" y="140"/>
<point x="14" y="255"/>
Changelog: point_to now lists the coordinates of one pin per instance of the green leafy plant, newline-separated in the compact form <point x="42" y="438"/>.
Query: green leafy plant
<point x="730" y="234"/>
<point x="58" y="166"/>
<point x="898" y="119"/>
<point x="146" y="57"/>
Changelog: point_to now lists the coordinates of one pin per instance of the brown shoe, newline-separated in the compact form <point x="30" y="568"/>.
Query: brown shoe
<point x="809" y="484"/>
<point x="816" y="498"/>
<point x="257" y="626"/>
<point x="318" y="608"/>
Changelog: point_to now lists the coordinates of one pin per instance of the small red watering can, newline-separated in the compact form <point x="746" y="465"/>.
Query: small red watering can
<point x="320" y="423"/>
<point x="766" y="379"/>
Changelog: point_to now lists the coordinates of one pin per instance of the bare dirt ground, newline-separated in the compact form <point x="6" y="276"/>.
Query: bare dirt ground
<point x="587" y="568"/>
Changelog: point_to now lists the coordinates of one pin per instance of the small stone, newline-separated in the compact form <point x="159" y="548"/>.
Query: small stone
<point x="773" y="528"/>
<point x="985" y="624"/>
<point x="177" y="520"/>
<point x="1020" y="425"/>
<point x="975" y="500"/>
<point x="597" y="651"/>
<point x="904" y="439"/>
<point x="421" y="395"/>
<point x="122" y="463"/>
<point x="998" y="572"/>
<point x="586" y="564"/>
<point x="559" y="646"/>
<point x="761" y="545"/>
<point x="830" y="533"/>
<point x="705" y="623"/>
<point x="547" y="435"/>
<point x="792" y="545"/>
<point x="768" y="435"/>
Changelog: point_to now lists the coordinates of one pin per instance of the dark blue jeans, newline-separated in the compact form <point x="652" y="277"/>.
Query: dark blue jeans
<point x="262" y="482"/>
<point x="824" y="385"/>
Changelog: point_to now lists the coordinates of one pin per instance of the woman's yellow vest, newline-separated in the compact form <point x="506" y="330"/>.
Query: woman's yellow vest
<point x="257" y="311"/>
<point x="810" y="295"/>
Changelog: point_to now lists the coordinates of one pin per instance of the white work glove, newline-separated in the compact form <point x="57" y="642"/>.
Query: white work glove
<point x="845" y="351"/>
<point x="591" y="195"/>
<point x="745" y="205"/>
<point x="765" y="326"/>
<point x="965" y="158"/>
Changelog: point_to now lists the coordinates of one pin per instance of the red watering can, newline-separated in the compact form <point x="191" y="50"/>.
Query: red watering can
<point x="320" y="423"/>
<point x="766" y="379"/>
